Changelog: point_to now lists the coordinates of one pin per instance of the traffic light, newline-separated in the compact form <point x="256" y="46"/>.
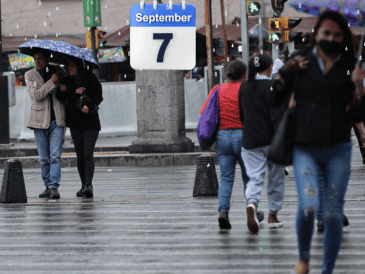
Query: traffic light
<point x="279" y="3"/>
<point x="100" y="43"/>
<point x="276" y="30"/>
<point x="277" y="6"/>
<point x="253" y="7"/>
<point x="289" y="24"/>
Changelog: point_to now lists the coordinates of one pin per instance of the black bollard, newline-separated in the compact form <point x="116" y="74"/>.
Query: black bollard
<point x="13" y="187"/>
<point x="206" y="182"/>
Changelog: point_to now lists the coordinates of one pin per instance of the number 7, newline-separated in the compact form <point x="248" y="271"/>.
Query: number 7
<point x="163" y="36"/>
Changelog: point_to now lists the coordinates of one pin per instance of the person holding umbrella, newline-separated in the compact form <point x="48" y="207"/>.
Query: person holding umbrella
<point x="47" y="120"/>
<point x="82" y="92"/>
<point x="326" y="88"/>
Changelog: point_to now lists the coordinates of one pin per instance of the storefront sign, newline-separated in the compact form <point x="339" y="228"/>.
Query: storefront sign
<point x="111" y="55"/>
<point x="20" y="61"/>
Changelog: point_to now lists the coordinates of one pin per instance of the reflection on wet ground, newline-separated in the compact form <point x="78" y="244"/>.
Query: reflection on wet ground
<point x="154" y="225"/>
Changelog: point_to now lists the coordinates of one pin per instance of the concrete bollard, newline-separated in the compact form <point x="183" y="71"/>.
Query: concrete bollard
<point x="206" y="182"/>
<point x="13" y="187"/>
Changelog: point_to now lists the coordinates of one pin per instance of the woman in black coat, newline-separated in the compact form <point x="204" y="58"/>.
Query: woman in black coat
<point x="82" y="93"/>
<point x="327" y="88"/>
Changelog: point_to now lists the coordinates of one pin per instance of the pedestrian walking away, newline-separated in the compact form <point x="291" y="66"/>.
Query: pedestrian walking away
<point x="82" y="93"/>
<point x="328" y="94"/>
<point x="259" y="120"/>
<point x="229" y="139"/>
<point x="47" y="120"/>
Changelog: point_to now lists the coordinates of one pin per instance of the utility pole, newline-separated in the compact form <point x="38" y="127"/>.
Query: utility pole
<point x="244" y="33"/>
<point x="1" y="46"/>
<point x="93" y="44"/>
<point x="4" y="100"/>
<point x="261" y="42"/>
<point x="224" y="35"/>
<point x="209" y="34"/>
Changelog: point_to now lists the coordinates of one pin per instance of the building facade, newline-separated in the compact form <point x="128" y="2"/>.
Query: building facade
<point x="65" y="17"/>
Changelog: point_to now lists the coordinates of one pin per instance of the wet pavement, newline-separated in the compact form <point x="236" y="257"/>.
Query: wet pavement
<point x="145" y="220"/>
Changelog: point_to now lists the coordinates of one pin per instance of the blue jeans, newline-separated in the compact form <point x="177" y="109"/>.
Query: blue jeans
<point x="320" y="195"/>
<point x="228" y="148"/>
<point x="334" y="162"/>
<point x="49" y="144"/>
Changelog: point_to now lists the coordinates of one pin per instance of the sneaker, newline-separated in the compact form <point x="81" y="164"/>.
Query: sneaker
<point x="274" y="222"/>
<point x="320" y="225"/>
<point x="345" y="221"/>
<point x="88" y="191"/>
<point x="54" y="193"/>
<point x="252" y="221"/>
<point x="45" y="194"/>
<point x="286" y="172"/>
<point x="224" y="220"/>
<point x="260" y="215"/>
<point x="80" y="193"/>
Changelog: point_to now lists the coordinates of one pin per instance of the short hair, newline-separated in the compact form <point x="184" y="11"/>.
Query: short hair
<point x="45" y="53"/>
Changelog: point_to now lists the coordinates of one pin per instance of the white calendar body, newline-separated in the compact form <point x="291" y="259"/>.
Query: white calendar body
<point x="162" y="39"/>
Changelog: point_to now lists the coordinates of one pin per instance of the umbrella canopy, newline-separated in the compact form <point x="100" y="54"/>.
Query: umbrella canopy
<point x="352" y="10"/>
<point x="59" y="50"/>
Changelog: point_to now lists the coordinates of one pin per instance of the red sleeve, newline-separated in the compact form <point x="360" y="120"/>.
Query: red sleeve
<point x="206" y="101"/>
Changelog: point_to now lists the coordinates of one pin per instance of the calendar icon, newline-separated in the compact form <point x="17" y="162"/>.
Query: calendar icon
<point x="163" y="39"/>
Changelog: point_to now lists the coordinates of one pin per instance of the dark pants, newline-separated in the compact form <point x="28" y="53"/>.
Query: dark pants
<point x="84" y="142"/>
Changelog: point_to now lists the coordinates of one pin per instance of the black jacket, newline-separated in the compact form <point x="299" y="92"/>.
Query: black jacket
<point x="321" y="115"/>
<point x="257" y="115"/>
<point x="74" y="118"/>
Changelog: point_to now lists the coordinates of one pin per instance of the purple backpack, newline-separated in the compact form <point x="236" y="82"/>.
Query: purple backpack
<point x="209" y="122"/>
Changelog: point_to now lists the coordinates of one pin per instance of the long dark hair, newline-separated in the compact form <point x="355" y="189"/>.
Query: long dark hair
<point x="341" y="21"/>
<point x="257" y="63"/>
<point x="83" y="72"/>
<point x="236" y="70"/>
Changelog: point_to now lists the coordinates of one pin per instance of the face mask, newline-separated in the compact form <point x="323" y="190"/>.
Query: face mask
<point x="330" y="47"/>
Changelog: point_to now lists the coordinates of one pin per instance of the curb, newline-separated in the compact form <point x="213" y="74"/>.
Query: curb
<point x="147" y="160"/>
<point x="28" y="152"/>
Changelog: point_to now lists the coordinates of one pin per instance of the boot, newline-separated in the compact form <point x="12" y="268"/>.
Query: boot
<point x="54" y="193"/>
<point x="46" y="193"/>
<point x="224" y="220"/>
<point x="80" y="193"/>
<point x="88" y="191"/>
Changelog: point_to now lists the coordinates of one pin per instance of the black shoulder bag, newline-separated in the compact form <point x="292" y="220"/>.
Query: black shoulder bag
<point x="85" y="100"/>
<point x="281" y="148"/>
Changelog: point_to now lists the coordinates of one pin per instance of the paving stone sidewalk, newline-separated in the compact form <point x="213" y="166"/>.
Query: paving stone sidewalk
<point x="145" y="220"/>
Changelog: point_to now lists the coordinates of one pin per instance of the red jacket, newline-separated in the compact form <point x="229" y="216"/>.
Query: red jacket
<point x="229" y="109"/>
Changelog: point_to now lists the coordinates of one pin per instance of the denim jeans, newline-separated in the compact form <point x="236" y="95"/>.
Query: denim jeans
<point x="334" y="162"/>
<point x="228" y="148"/>
<point x="49" y="144"/>
<point x="256" y="165"/>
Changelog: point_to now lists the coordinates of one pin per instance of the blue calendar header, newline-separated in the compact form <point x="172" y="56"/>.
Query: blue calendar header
<point x="162" y="16"/>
